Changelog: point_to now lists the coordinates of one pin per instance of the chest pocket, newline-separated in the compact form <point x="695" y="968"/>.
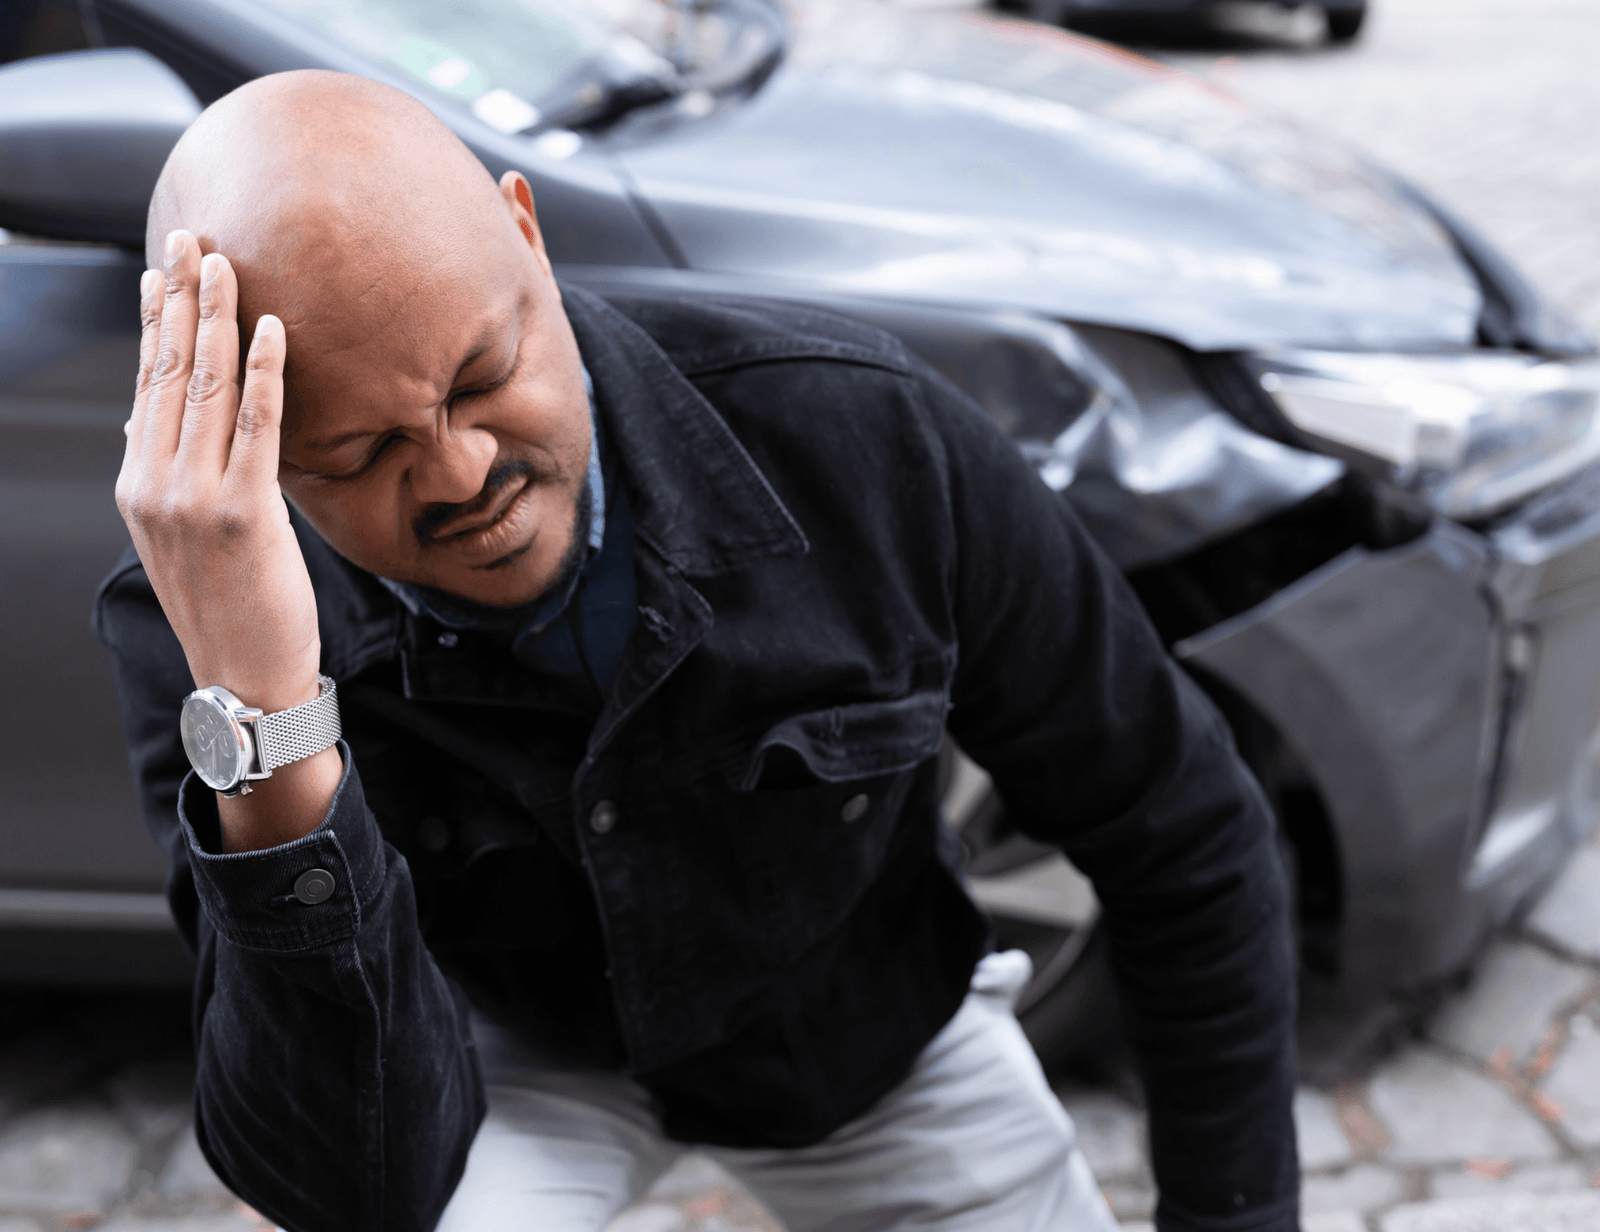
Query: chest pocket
<point x="818" y="800"/>
<point x="849" y="742"/>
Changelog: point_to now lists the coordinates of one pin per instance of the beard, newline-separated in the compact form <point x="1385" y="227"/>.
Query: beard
<point x="459" y="611"/>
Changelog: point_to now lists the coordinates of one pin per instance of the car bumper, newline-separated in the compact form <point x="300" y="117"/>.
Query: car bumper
<point x="1443" y="697"/>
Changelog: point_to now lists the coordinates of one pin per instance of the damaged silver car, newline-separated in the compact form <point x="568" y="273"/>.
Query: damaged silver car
<point x="1349" y="460"/>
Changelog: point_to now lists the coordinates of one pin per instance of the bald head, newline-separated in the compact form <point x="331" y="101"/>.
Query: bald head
<point x="436" y="428"/>
<point x="309" y="181"/>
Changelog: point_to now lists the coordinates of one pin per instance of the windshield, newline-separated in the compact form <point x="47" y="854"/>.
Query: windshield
<point x="505" y="59"/>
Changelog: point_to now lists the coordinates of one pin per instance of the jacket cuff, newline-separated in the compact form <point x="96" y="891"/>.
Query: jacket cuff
<point x="252" y="897"/>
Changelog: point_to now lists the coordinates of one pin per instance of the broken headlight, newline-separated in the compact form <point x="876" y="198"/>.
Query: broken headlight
<point x="1470" y="433"/>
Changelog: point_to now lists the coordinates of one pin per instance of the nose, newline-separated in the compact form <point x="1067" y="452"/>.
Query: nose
<point x="453" y="466"/>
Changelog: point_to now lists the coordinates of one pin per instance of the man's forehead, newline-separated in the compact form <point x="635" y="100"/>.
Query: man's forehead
<point x="338" y="391"/>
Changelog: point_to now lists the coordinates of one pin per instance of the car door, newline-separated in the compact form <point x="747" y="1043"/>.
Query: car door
<point x="73" y="850"/>
<point x="80" y="880"/>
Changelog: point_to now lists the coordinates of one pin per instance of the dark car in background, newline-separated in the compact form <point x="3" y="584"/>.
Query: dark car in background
<point x="1343" y="18"/>
<point x="1347" y="457"/>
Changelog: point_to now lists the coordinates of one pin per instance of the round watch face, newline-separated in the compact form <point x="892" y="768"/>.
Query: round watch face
<point x="212" y="742"/>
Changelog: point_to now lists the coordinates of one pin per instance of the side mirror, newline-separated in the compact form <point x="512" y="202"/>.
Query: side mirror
<point x="83" y="137"/>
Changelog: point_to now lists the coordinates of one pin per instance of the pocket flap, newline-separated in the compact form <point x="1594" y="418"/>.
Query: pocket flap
<point x="856" y="741"/>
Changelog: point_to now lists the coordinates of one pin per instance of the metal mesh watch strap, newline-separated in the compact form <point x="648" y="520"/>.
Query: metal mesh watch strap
<point x="296" y="733"/>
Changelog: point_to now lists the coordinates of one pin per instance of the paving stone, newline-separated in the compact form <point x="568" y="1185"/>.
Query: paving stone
<point x="187" y="1174"/>
<point x="1128" y="1201"/>
<point x="707" y="1197"/>
<point x="1333" y="1221"/>
<point x="649" y="1217"/>
<point x="58" y="1160"/>
<point x="1578" y="1212"/>
<point x="1514" y="997"/>
<point x="241" y="1219"/>
<point x="1316" y="1125"/>
<point x="1111" y="1132"/>
<point x="1531" y="1178"/>
<point x="1366" y="1187"/>
<point x="1570" y="913"/>
<point x="690" y="1175"/>
<point x="1574" y="1084"/>
<point x="1437" y="1111"/>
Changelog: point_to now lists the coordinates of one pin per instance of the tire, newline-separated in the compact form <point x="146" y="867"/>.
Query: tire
<point x="1039" y="904"/>
<point x="1345" y="24"/>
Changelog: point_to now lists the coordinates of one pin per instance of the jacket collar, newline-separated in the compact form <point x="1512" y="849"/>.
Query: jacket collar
<point x="697" y="497"/>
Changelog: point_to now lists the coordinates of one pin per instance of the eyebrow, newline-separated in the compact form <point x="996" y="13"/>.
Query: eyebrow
<point x="484" y="343"/>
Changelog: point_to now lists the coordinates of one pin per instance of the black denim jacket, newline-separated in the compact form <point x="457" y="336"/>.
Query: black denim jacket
<point x="838" y="556"/>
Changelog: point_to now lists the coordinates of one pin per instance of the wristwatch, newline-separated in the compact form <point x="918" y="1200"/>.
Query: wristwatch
<point x="230" y="744"/>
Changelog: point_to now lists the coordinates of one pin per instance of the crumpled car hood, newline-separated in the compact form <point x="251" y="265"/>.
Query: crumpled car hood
<point x="973" y="160"/>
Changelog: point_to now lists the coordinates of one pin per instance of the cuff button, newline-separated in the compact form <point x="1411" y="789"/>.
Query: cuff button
<point x="603" y="819"/>
<point x="314" y="886"/>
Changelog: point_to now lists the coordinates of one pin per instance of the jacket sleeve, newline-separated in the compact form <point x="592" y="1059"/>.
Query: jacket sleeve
<point x="337" y="1086"/>
<point x="1099" y="743"/>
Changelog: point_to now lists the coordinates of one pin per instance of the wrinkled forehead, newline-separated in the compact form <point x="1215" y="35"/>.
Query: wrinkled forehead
<point x="399" y="323"/>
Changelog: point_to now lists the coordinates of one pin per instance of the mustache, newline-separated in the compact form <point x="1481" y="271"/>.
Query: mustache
<point x="500" y="474"/>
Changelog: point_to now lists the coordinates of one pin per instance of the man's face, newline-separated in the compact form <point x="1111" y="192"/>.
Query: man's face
<point x="436" y="426"/>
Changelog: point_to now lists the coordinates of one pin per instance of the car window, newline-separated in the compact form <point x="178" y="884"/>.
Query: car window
<point x="501" y="57"/>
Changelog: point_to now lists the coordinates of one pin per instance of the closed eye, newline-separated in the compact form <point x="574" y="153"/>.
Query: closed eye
<point x="366" y="463"/>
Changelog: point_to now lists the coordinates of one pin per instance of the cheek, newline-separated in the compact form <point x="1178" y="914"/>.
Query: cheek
<point x="360" y="521"/>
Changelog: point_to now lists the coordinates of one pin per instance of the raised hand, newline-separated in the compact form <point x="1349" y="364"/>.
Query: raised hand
<point x="199" y="492"/>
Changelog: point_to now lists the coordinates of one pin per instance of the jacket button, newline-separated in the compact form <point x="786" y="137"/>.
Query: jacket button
<point x="603" y="817"/>
<point x="855" y="808"/>
<point x="313" y="886"/>
<point x="448" y="639"/>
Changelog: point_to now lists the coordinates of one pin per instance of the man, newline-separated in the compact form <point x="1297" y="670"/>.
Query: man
<point x="643" y="622"/>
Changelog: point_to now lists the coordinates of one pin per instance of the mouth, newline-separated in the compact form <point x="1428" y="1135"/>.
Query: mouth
<point x="486" y="537"/>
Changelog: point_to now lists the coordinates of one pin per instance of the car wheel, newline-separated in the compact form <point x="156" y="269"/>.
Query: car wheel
<point x="1345" y="24"/>
<point x="1038" y="903"/>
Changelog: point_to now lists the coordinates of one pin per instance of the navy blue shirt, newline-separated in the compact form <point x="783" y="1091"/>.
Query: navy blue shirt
<point x="575" y="636"/>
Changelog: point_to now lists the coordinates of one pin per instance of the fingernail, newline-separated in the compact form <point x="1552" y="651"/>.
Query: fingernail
<point x="210" y="264"/>
<point x="174" y="247"/>
<point x="267" y="323"/>
<point x="148" y="282"/>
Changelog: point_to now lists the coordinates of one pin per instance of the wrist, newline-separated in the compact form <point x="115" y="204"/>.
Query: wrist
<point x="268" y="693"/>
<point x="233" y="745"/>
<point x="287" y="806"/>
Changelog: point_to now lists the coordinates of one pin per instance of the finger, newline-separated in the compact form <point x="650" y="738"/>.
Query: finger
<point x="253" y="461"/>
<point x="212" y="398"/>
<point x="150" y="299"/>
<point x="169" y="375"/>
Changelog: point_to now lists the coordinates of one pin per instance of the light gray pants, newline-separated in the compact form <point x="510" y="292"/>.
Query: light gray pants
<point x="972" y="1140"/>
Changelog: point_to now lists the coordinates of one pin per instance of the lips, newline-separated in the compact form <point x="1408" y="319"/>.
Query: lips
<point x="485" y="535"/>
<point x="476" y="521"/>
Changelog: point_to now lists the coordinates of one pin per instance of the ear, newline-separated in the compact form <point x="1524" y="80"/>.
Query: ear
<point x="514" y="188"/>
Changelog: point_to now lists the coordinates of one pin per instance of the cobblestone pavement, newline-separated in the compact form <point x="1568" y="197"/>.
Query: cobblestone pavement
<point x="1489" y="1121"/>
